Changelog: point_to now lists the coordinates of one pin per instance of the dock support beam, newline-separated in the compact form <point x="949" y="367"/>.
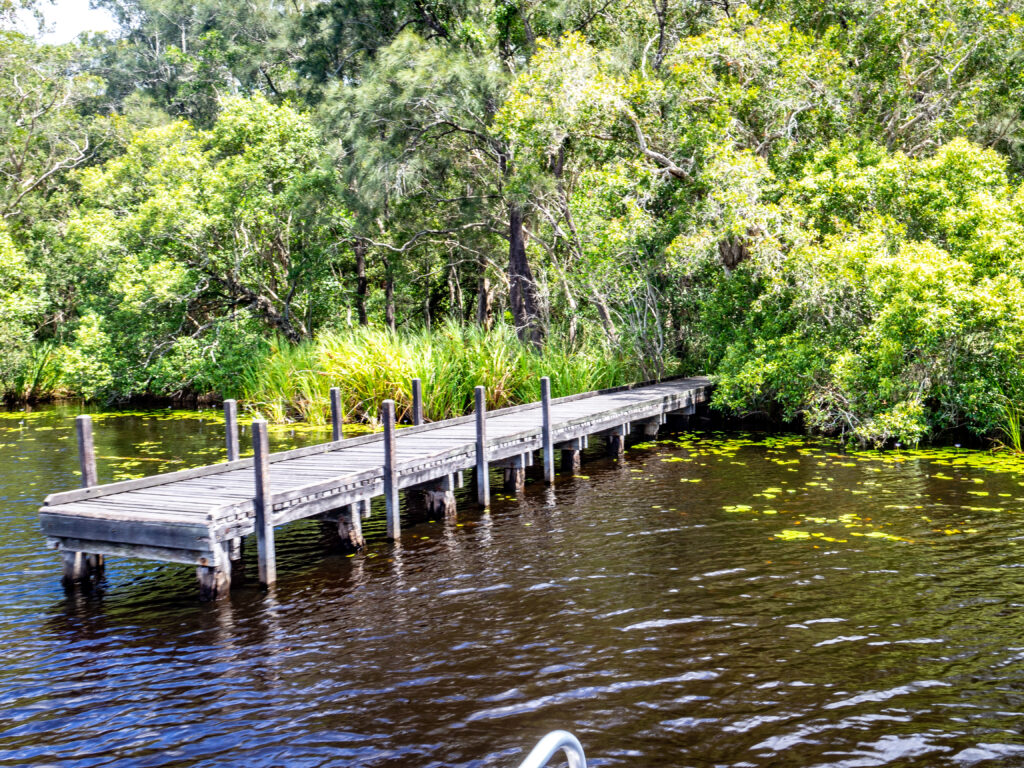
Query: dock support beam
<point x="81" y="566"/>
<point x="435" y="498"/>
<point x="417" y="402"/>
<point x="390" y="478"/>
<point x="617" y="441"/>
<point x="483" y="483"/>
<point x="215" y="579"/>
<point x="546" y="434"/>
<point x="350" y="527"/>
<point x="336" y="416"/>
<point x="650" y="427"/>
<point x="515" y="473"/>
<point x="264" y="505"/>
<point x="572" y="451"/>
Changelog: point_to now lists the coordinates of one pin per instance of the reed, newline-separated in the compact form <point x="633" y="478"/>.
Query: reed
<point x="1009" y="426"/>
<point x="372" y="364"/>
<point x="39" y="377"/>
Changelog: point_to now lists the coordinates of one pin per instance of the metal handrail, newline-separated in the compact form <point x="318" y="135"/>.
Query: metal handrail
<point x="550" y="744"/>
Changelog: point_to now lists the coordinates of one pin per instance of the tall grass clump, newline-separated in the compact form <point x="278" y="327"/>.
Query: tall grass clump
<point x="1009" y="425"/>
<point x="372" y="364"/>
<point x="36" y="376"/>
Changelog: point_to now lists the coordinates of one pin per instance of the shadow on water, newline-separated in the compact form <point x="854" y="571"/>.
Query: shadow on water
<point x="728" y="600"/>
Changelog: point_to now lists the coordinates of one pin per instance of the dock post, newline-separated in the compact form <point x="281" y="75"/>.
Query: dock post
<point x="548" y="441"/>
<point x="264" y="504"/>
<point x="86" y="450"/>
<point x="82" y="566"/>
<point x="390" y="478"/>
<point x="231" y="428"/>
<point x="336" y="417"/>
<point x="231" y="436"/>
<point x="417" y="402"/>
<point x="483" y="485"/>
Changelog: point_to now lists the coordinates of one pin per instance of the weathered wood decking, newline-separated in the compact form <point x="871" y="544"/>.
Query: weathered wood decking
<point x="198" y="516"/>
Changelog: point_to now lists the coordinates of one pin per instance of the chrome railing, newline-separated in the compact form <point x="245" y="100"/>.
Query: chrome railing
<point x="550" y="744"/>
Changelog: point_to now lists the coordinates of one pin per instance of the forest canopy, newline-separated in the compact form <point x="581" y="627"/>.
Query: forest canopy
<point x="819" y="204"/>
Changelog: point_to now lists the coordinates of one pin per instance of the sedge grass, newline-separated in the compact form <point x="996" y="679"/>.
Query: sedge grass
<point x="1009" y="426"/>
<point x="372" y="364"/>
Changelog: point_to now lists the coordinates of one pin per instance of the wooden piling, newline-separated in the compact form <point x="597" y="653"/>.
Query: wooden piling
<point x="440" y="499"/>
<point x="572" y="453"/>
<point x="650" y="427"/>
<point x="75" y="565"/>
<point x="236" y="553"/>
<point x="435" y="498"/>
<point x="264" y="505"/>
<point x="483" y="484"/>
<point x="231" y="428"/>
<point x="617" y="441"/>
<point x="515" y="474"/>
<point x="215" y="578"/>
<point x="350" y="528"/>
<point x="337" y="431"/>
<point x="82" y="566"/>
<point x="546" y="433"/>
<point x="86" y="450"/>
<point x="231" y="438"/>
<point x="417" y="402"/>
<point x="390" y="477"/>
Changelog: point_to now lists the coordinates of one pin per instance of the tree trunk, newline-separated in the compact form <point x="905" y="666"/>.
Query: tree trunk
<point x="607" y="322"/>
<point x="522" y="288"/>
<point x="361" y="284"/>
<point x="574" y="312"/>
<point x="454" y="294"/>
<point x="389" y="295"/>
<point x="484" y="311"/>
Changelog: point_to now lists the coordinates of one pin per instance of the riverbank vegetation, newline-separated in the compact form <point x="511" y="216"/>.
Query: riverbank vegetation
<point x="819" y="204"/>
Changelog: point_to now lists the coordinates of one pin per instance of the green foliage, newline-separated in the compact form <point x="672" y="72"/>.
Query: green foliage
<point x="21" y="302"/>
<point x="374" y="364"/>
<point x="818" y="203"/>
<point x="192" y="239"/>
<point x="878" y="334"/>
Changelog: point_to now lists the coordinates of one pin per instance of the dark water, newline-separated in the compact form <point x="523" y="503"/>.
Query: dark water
<point x="712" y="602"/>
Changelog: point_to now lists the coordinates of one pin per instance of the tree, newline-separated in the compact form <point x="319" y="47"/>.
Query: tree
<point x="190" y="231"/>
<point x="42" y="131"/>
<point x="21" y="303"/>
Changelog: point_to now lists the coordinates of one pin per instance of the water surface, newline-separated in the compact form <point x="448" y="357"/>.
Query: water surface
<point x="715" y="600"/>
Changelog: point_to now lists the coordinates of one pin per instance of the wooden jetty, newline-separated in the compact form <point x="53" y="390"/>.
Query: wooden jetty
<point x="198" y="516"/>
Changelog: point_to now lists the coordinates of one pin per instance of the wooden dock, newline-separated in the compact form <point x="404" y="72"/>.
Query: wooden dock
<point x="199" y="516"/>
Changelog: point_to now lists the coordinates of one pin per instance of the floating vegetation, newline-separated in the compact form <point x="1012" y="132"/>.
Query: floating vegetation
<point x="828" y="486"/>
